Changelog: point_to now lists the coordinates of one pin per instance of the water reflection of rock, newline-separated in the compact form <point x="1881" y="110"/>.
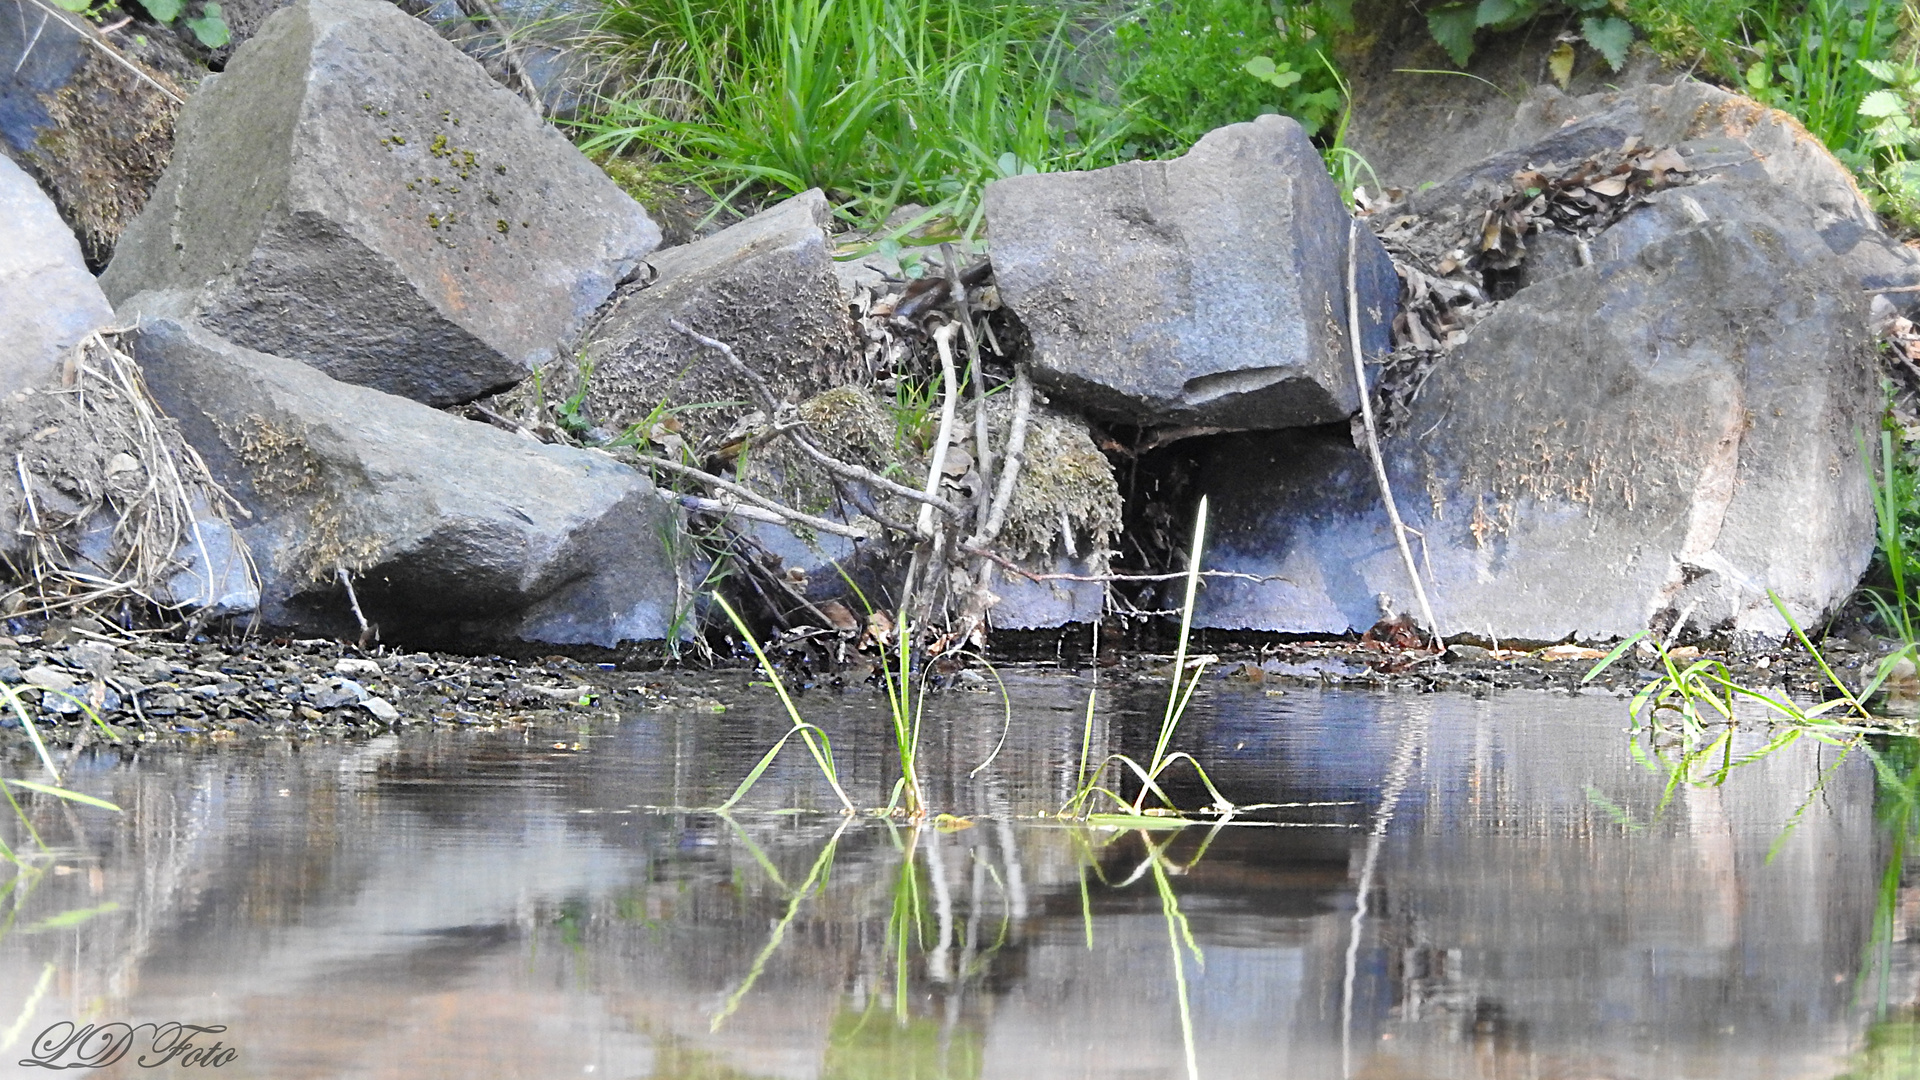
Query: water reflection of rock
<point x="449" y="906"/>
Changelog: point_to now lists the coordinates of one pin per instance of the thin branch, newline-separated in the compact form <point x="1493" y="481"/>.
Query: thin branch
<point x="510" y="52"/>
<point x="937" y="467"/>
<point x="111" y="52"/>
<point x="1373" y="436"/>
<point x="750" y="512"/>
<point x="1016" y="455"/>
<point x="1181" y="576"/>
<point x="982" y="441"/>
<point x="353" y="601"/>
<point x="832" y="464"/>
<point x="786" y="513"/>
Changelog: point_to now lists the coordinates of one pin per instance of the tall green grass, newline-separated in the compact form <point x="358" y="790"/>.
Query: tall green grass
<point x="878" y="102"/>
<point x="1806" y="59"/>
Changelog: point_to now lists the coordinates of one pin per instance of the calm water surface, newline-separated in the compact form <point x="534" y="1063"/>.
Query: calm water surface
<point x="1507" y="887"/>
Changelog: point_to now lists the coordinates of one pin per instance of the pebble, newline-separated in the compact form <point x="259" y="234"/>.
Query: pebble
<point x="150" y="689"/>
<point x="49" y="678"/>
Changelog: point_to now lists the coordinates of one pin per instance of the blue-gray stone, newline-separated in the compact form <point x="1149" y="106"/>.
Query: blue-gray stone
<point x="455" y="532"/>
<point x="1662" y="436"/>
<point x="48" y="300"/>
<point x="1206" y="290"/>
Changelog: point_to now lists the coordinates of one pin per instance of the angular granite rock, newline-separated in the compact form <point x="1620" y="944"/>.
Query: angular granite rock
<point x="765" y="286"/>
<point x="356" y="194"/>
<point x="48" y="300"/>
<point x="1657" y="438"/>
<point x="1208" y="290"/>
<point x="455" y="533"/>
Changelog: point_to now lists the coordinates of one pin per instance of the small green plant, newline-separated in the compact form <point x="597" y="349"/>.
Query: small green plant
<point x="1705" y="692"/>
<point x="1897" y="521"/>
<point x="1808" y="61"/>
<point x="1180" y="692"/>
<point x="877" y="102"/>
<point x="571" y="415"/>
<point x="907" y="710"/>
<point x="906" y="706"/>
<point x="815" y="739"/>
<point x="1190" y="66"/>
<point x="1456" y="26"/>
<point x="1890" y="137"/>
<point x="209" y="27"/>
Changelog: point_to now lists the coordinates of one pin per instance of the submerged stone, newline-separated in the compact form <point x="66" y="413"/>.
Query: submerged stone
<point x="1207" y="290"/>
<point x="354" y="193"/>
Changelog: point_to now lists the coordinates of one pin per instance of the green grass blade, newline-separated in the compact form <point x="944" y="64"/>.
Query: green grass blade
<point x="63" y="793"/>
<point x="1617" y="652"/>
<point x="753" y="775"/>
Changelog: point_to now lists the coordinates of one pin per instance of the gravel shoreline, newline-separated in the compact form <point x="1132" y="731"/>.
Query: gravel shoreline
<point x="148" y="689"/>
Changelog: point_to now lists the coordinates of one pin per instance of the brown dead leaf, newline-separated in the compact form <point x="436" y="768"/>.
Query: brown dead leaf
<point x="842" y="619"/>
<point x="1611" y="187"/>
<point x="1569" y="652"/>
<point x="1666" y="160"/>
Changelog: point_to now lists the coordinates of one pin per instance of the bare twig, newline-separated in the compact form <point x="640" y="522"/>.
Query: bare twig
<point x="1181" y="576"/>
<point x="353" y="601"/>
<point x="504" y="423"/>
<point x="982" y="443"/>
<point x="927" y="553"/>
<point x="825" y="460"/>
<point x="510" y="52"/>
<point x="936" y="469"/>
<point x="1015" y="457"/>
<point x="1373" y="436"/>
<point x="784" y="514"/>
<point x="724" y="508"/>
<point x="31" y="42"/>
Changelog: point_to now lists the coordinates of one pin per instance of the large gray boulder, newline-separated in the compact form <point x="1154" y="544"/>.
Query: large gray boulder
<point x="454" y="532"/>
<point x="1660" y="437"/>
<point x="765" y="286"/>
<point x="356" y="194"/>
<point x="48" y="300"/>
<point x="1208" y="290"/>
<point x="1758" y="154"/>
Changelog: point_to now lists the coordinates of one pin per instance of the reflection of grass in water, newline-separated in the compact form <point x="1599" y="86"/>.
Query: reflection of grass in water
<point x="796" y="897"/>
<point x="1893" y="1041"/>
<point x="1179" y="695"/>
<point x="1897" y="771"/>
<point x="869" y="1045"/>
<point x="1892" y="1051"/>
<point x="1161" y="867"/>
